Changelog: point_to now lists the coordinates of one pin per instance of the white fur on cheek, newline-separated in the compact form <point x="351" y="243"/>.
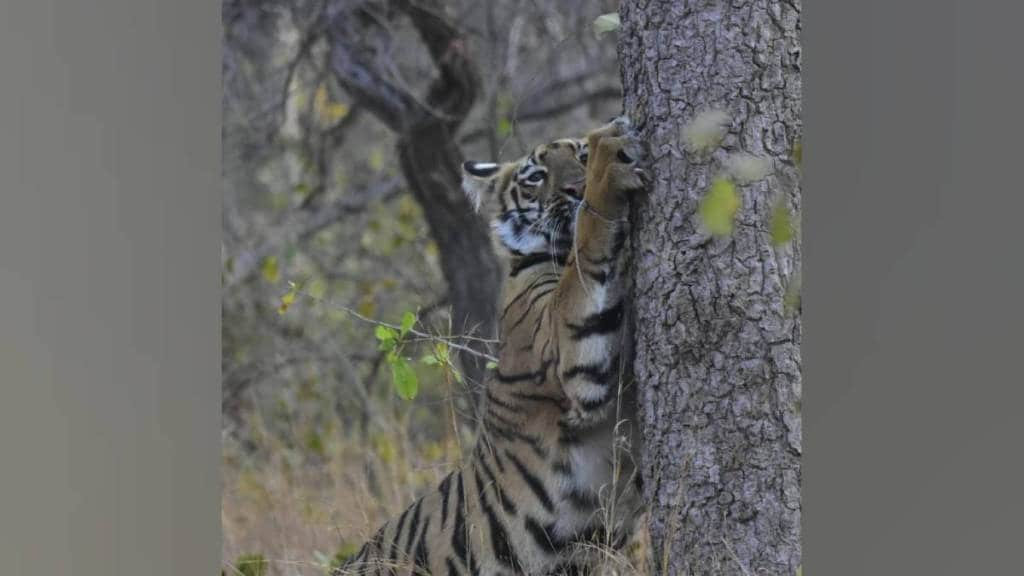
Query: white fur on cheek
<point x="525" y="243"/>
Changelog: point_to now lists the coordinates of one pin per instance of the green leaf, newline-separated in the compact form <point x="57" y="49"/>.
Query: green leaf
<point x="430" y="360"/>
<point x="719" y="206"/>
<point x="455" y="374"/>
<point x="387" y="336"/>
<point x="286" y="300"/>
<point x="441" y="352"/>
<point x="385" y="333"/>
<point x="491" y="365"/>
<point x="314" y="442"/>
<point x="408" y="321"/>
<point x="346" y="551"/>
<point x="404" y="378"/>
<point x="252" y="565"/>
<point x="269" y="269"/>
<point x="781" y="225"/>
<point x="606" y="23"/>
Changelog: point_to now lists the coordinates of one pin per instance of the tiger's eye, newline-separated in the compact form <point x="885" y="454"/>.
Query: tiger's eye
<point x="624" y="157"/>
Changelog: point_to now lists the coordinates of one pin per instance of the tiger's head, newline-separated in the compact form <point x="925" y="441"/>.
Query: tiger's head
<point x="531" y="203"/>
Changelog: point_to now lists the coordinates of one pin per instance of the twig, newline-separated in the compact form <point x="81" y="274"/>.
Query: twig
<point x="449" y="341"/>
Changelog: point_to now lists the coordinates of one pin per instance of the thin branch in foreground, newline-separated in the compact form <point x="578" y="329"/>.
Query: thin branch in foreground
<point x="450" y="341"/>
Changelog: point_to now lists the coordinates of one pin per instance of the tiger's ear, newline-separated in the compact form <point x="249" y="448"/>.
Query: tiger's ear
<point x="476" y="179"/>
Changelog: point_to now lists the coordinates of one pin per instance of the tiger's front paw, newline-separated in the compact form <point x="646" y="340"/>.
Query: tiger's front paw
<point x="622" y="156"/>
<point x="618" y="126"/>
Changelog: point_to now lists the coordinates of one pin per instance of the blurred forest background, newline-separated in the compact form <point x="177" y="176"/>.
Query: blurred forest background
<point x="344" y="122"/>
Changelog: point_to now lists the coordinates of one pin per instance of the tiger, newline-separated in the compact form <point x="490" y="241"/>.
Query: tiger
<point x="547" y="480"/>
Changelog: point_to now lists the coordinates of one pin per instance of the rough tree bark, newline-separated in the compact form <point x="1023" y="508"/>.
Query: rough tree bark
<point x="429" y="155"/>
<point x="717" y="349"/>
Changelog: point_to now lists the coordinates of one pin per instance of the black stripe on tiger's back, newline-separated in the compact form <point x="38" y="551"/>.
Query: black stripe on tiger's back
<point x="445" y="488"/>
<point x="543" y="280"/>
<point x="489" y="450"/>
<point x="515" y="435"/>
<point x="533" y="259"/>
<point x="542" y="535"/>
<point x="396" y="538"/>
<point x="421" y="561"/>
<point x="497" y="461"/>
<point x="535" y="484"/>
<point x="503" y="499"/>
<point x="538" y="325"/>
<point x="414" y="527"/>
<point x="556" y="401"/>
<point x="529" y="307"/>
<point x="505" y="422"/>
<point x="492" y="399"/>
<point x="503" y="549"/>
<point x="599" y="323"/>
<point x="459" y="530"/>
<point x="373" y="546"/>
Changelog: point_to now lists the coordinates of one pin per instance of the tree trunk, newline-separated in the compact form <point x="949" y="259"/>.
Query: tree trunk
<point x="429" y="156"/>
<point x="717" y="348"/>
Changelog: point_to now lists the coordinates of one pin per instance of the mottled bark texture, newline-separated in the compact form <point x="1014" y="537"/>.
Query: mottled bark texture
<point x="717" y="350"/>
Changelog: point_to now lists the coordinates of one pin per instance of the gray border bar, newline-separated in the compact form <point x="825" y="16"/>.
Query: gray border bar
<point x="912" y="280"/>
<point x="109" y="287"/>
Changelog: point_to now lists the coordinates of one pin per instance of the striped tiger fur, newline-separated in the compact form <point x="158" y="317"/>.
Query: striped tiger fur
<point x="544" y="483"/>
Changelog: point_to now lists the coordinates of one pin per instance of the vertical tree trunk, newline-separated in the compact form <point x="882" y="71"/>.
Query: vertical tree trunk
<point x="717" y="348"/>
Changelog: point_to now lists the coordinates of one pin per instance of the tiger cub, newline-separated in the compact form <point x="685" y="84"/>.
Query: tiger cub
<point x="544" y="483"/>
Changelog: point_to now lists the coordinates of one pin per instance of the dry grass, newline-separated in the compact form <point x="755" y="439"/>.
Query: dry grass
<point x="297" y="499"/>
<point x="299" y="509"/>
<point x="298" y="516"/>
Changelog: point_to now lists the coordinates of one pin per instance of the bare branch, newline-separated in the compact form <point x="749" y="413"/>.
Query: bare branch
<point x="245" y="264"/>
<point x="545" y="113"/>
<point x="353" y="66"/>
<point x="450" y="341"/>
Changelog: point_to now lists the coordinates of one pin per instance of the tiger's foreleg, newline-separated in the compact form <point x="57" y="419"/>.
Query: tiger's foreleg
<point x="588" y="307"/>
